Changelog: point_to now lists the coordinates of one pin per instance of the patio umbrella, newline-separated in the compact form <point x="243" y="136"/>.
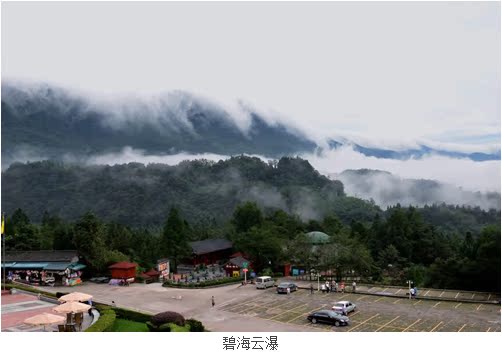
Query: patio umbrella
<point x="75" y="296"/>
<point x="45" y="319"/>
<point x="72" y="307"/>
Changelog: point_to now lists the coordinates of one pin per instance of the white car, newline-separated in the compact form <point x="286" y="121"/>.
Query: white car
<point x="344" y="307"/>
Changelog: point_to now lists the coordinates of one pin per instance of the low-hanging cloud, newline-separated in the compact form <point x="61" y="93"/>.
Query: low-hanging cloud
<point x="465" y="173"/>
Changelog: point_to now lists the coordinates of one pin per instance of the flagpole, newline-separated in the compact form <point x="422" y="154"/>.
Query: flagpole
<point x="3" y="250"/>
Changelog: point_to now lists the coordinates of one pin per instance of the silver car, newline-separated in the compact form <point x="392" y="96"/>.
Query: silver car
<point x="344" y="307"/>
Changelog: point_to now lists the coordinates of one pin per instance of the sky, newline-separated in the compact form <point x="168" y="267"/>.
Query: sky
<point x="385" y="73"/>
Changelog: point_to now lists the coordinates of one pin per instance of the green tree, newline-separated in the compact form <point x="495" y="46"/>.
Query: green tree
<point x="246" y="216"/>
<point x="174" y="238"/>
<point x="89" y="240"/>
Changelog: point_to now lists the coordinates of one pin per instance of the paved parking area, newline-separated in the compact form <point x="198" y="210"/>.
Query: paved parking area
<point x="403" y="291"/>
<point x="374" y="313"/>
<point x="16" y="308"/>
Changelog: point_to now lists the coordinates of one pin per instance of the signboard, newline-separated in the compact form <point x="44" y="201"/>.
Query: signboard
<point x="295" y="272"/>
<point x="245" y="270"/>
<point x="245" y="265"/>
<point x="236" y="274"/>
<point x="163" y="268"/>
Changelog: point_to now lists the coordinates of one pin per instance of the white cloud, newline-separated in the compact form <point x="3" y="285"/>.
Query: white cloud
<point x="383" y="70"/>
<point x="471" y="175"/>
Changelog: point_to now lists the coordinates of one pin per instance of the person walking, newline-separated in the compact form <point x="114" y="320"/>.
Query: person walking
<point x="212" y="301"/>
<point x="311" y="289"/>
<point x="327" y="286"/>
<point x="288" y="290"/>
<point x="336" y="286"/>
<point x="353" y="287"/>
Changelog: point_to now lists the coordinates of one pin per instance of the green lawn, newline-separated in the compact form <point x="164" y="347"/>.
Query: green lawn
<point x="122" y="325"/>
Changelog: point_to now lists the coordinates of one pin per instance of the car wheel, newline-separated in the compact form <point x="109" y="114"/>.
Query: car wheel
<point x="314" y="321"/>
<point x="337" y="323"/>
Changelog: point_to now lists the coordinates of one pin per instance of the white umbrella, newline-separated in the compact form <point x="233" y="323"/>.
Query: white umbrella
<point x="75" y="296"/>
<point x="45" y="319"/>
<point x="72" y="307"/>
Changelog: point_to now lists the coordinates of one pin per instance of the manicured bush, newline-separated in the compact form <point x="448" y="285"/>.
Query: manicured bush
<point x="30" y="289"/>
<point x="195" y="325"/>
<point x="132" y="315"/>
<point x="162" y="328"/>
<point x="165" y="327"/>
<point x="208" y="283"/>
<point x="104" y="323"/>
<point x="168" y="317"/>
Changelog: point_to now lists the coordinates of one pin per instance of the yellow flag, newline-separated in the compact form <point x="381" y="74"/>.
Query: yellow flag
<point x="3" y="223"/>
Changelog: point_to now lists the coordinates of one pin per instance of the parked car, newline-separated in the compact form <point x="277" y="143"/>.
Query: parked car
<point x="100" y="280"/>
<point x="283" y="287"/>
<point x="328" y="317"/>
<point x="344" y="307"/>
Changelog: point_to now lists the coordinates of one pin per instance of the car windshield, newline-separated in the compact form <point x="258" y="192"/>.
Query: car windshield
<point x="286" y="284"/>
<point x="338" y="305"/>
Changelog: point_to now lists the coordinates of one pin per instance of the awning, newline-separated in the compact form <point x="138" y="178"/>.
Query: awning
<point x="77" y="266"/>
<point x="29" y="265"/>
<point x="8" y="264"/>
<point x="57" y="266"/>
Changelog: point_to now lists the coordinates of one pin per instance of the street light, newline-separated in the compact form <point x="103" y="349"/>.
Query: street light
<point x="409" y="282"/>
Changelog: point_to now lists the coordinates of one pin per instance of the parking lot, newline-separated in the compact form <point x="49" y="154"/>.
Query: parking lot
<point x="374" y="313"/>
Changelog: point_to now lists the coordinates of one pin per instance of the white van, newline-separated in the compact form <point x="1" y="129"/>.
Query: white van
<point x="264" y="282"/>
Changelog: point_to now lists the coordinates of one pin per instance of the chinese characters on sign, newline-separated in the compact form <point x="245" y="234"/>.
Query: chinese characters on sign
<point x="250" y="343"/>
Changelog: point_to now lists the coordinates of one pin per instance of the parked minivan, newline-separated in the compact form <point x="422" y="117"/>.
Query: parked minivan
<point x="264" y="282"/>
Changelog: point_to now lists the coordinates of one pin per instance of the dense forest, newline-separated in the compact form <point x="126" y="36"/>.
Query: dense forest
<point x="142" y="213"/>
<point x="205" y="192"/>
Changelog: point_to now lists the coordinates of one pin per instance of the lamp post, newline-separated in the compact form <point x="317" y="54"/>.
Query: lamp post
<point x="409" y="282"/>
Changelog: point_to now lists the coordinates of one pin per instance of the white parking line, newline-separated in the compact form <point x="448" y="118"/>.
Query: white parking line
<point x="411" y="325"/>
<point x="457" y="294"/>
<point x="441" y="295"/>
<point x="437" y="304"/>
<point x="417" y="302"/>
<point x="426" y="293"/>
<point x="398" y="291"/>
<point x="358" y="325"/>
<point x="434" y="328"/>
<point x="463" y="326"/>
<point x="479" y="306"/>
<point x="458" y="305"/>
<point x="381" y="327"/>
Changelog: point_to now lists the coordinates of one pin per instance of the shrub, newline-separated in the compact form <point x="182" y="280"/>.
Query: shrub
<point x="195" y="325"/>
<point x="278" y="274"/>
<point x="208" y="283"/>
<point x="165" y="327"/>
<point x="168" y="317"/>
<point x="104" y="323"/>
<point x="132" y="315"/>
<point x="162" y="328"/>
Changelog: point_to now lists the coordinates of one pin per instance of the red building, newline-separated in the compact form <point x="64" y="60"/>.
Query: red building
<point x="123" y="270"/>
<point x="211" y="251"/>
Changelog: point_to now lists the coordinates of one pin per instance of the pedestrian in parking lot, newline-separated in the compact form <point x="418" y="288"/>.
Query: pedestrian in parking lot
<point x="353" y="286"/>
<point x="212" y="301"/>
<point x="336" y="286"/>
<point x="327" y="286"/>
<point x="288" y="290"/>
<point x="311" y="289"/>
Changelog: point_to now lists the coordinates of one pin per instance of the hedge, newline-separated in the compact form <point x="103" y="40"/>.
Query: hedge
<point x="105" y="321"/>
<point x="31" y="289"/>
<point x="132" y="315"/>
<point x="208" y="283"/>
<point x="195" y="325"/>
